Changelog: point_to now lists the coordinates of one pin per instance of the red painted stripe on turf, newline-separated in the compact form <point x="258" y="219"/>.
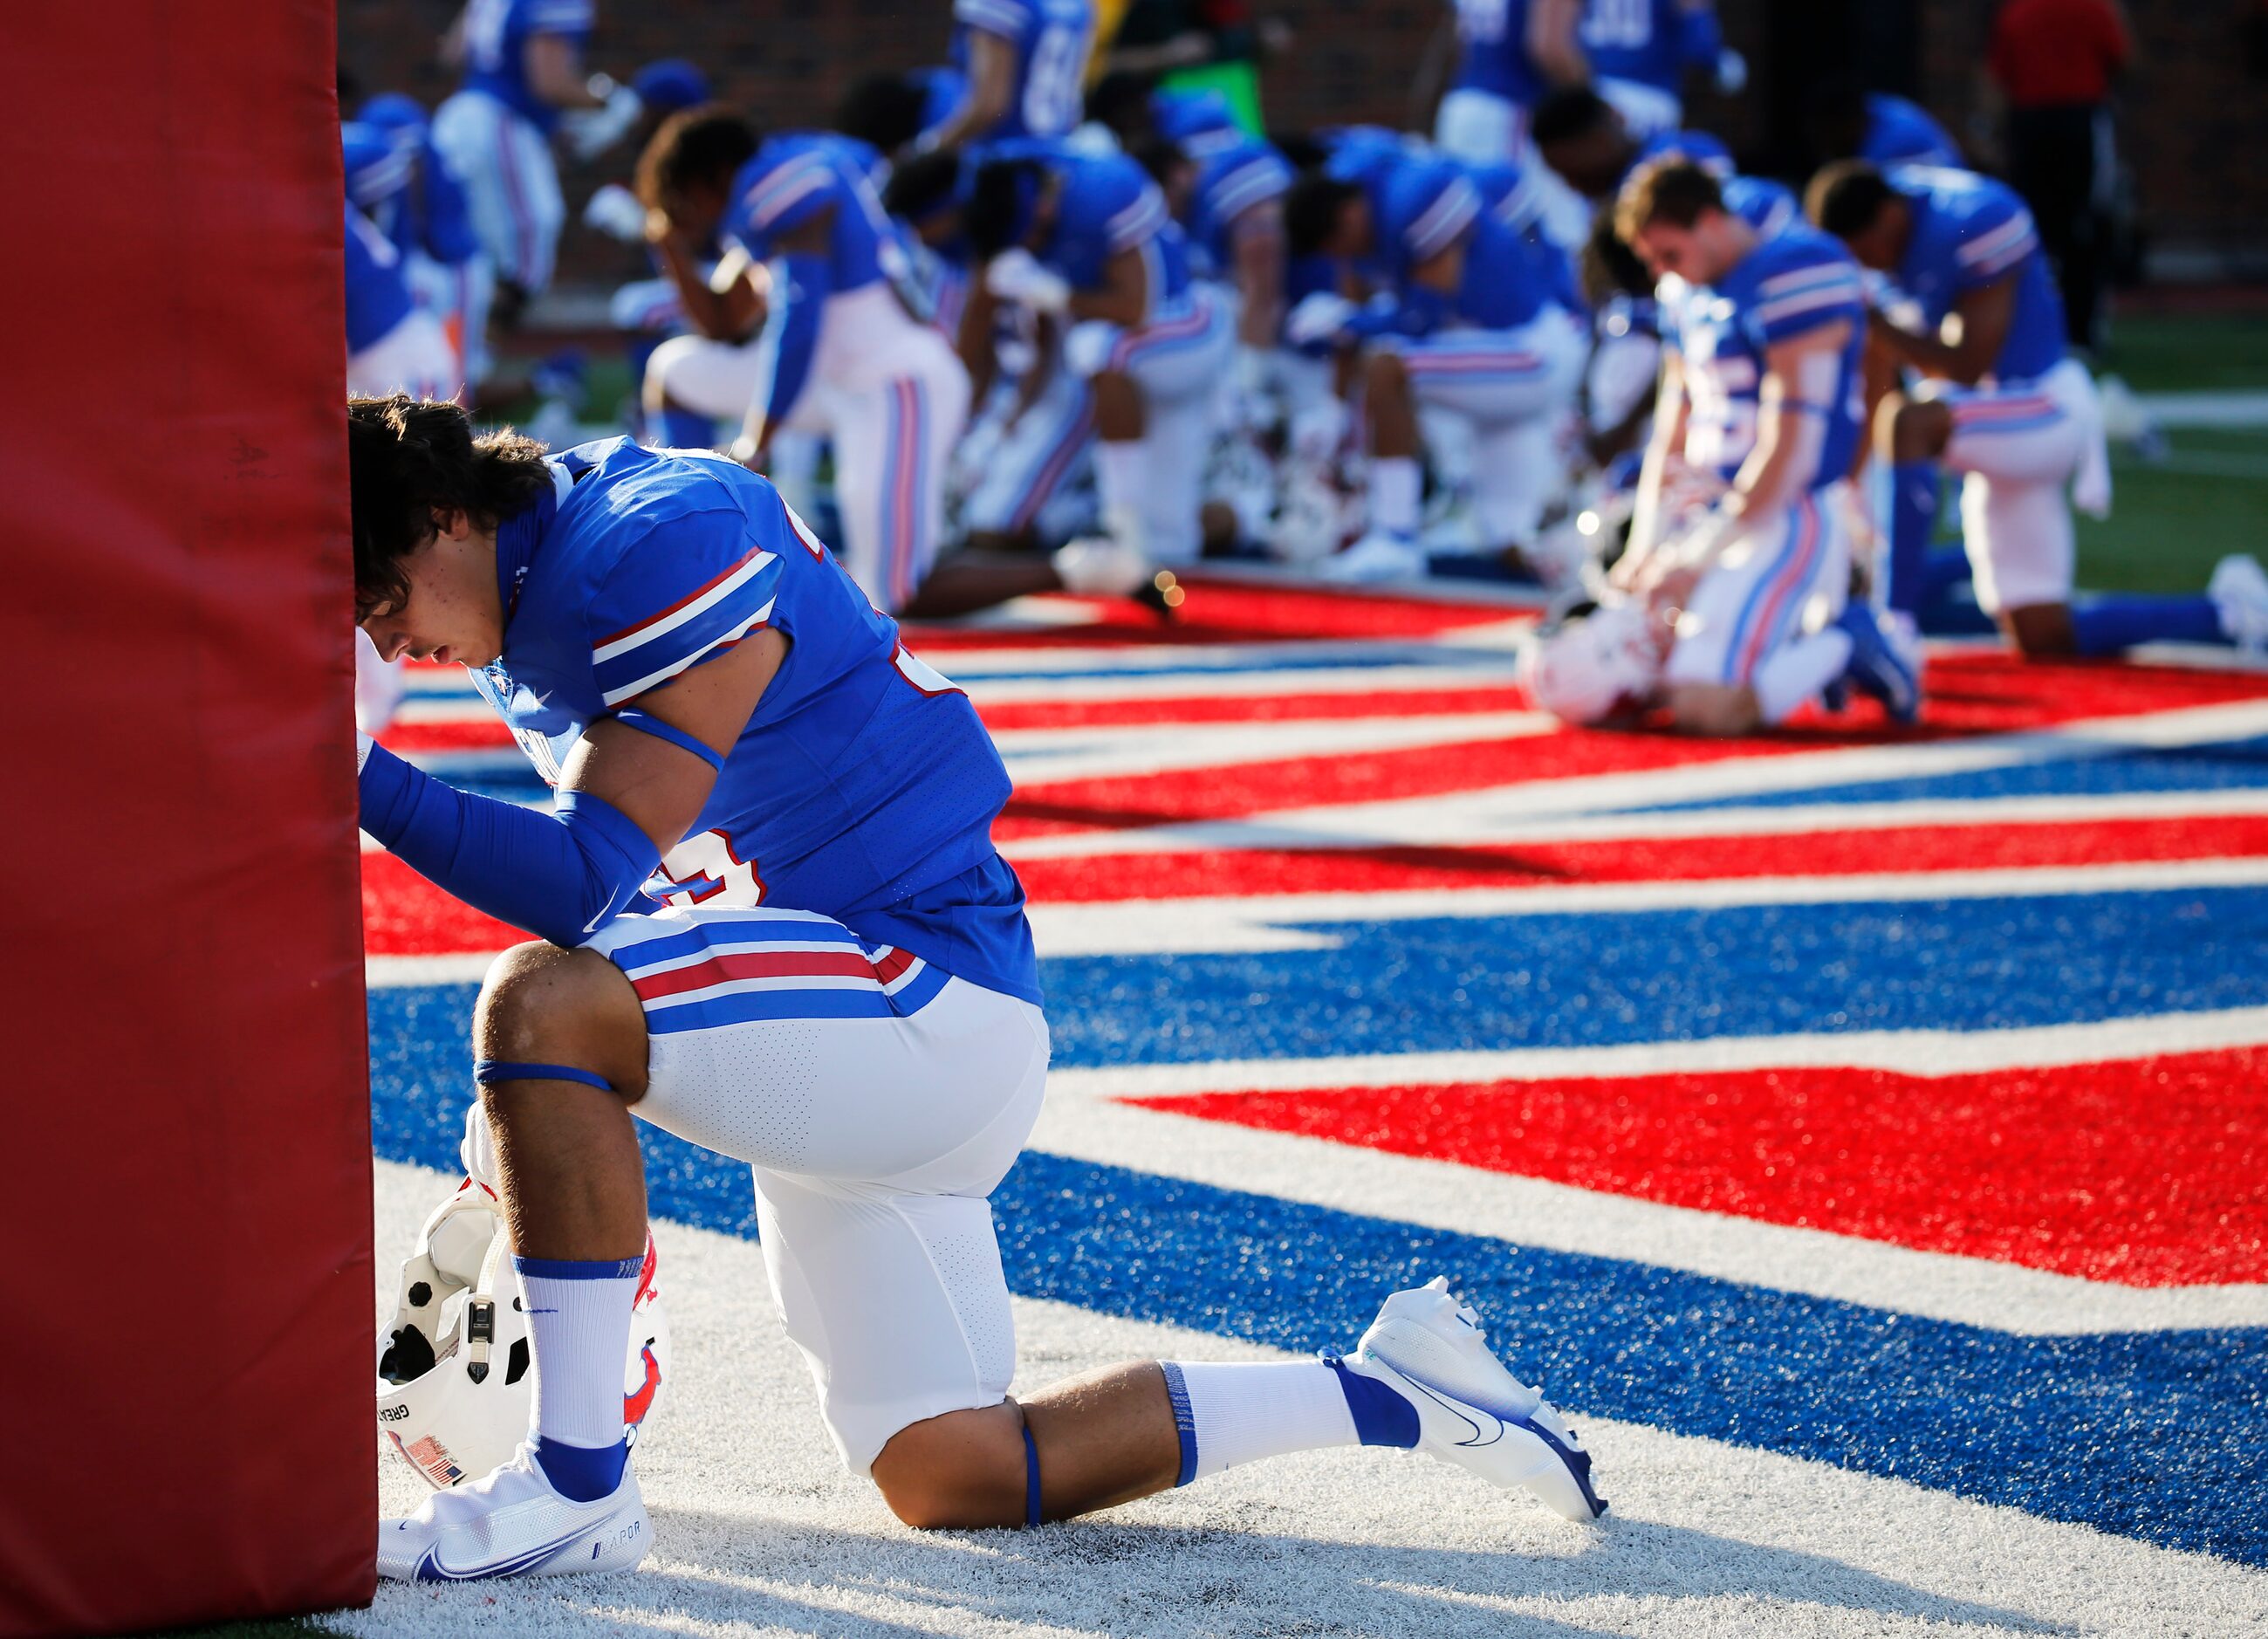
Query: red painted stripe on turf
<point x="1219" y="611"/>
<point x="2001" y="846"/>
<point x="2145" y="1173"/>
<point x="404" y="914"/>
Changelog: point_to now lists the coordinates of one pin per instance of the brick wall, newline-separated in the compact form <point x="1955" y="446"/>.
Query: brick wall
<point x="2196" y="121"/>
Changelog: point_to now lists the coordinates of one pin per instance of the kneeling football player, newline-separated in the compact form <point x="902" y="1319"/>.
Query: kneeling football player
<point x="832" y="980"/>
<point x="1761" y="388"/>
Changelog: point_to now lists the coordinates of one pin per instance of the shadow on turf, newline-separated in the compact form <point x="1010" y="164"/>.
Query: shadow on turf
<point x="1162" y="1580"/>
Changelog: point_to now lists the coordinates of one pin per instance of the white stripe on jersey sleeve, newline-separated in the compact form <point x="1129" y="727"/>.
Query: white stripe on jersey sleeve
<point x="678" y="663"/>
<point x="1441" y="223"/>
<point x="561" y="16"/>
<point x="638" y="637"/>
<point x="1004" y="18"/>
<point x="770" y="198"/>
<point x="1139" y="221"/>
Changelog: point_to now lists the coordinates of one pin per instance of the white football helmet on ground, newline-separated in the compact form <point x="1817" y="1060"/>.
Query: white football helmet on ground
<point x="456" y="1372"/>
<point x="1595" y="664"/>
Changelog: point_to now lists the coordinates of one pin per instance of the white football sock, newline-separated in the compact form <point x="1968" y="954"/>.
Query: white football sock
<point x="1118" y="479"/>
<point x="1395" y="490"/>
<point x="578" y="1324"/>
<point x="1229" y="1414"/>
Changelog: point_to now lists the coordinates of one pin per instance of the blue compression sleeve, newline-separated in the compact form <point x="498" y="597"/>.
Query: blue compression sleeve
<point x="1914" y="491"/>
<point x="795" y="335"/>
<point x="2114" y="624"/>
<point x="562" y="876"/>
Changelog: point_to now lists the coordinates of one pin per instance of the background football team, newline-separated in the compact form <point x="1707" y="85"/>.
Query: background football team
<point x="1061" y="313"/>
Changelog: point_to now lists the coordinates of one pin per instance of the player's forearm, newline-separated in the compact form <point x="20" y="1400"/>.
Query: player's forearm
<point x="991" y="81"/>
<point x="562" y="876"/>
<point x="1260" y="286"/>
<point x="1785" y="463"/>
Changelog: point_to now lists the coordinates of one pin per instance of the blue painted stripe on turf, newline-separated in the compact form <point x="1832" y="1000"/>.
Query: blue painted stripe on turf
<point x="2226" y="765"/>
<point x="1443" y="984"/>
<point x="2150" y="1435"/>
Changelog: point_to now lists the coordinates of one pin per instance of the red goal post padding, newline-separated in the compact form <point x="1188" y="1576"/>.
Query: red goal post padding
<point x="185" y="1182"/>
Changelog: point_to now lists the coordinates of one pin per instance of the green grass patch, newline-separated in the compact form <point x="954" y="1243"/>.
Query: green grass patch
<point x="2190" y="354"/>
<point x="2170" y="523"/>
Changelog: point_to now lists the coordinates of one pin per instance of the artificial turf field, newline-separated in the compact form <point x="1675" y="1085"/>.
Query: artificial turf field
<point x="1861" y="1132"/>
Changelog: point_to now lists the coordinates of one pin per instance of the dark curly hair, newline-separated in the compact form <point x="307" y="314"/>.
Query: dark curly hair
<point x="411" y="458"/>
<point x="707" y="144"/>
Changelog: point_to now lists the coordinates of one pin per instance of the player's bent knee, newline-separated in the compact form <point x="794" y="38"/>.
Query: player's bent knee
<point x="1917" y="429"/>
<point x="540" y="1004"/>
<point x="1383" y="371"/>
<point x="963" y="1471"/>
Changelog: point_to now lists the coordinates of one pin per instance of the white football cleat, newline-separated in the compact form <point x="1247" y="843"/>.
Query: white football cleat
<point x="1103" y="565"/>
<point x="2239" y="591"/>
<point x="1472" y="1412"/>
<point x="1376" y="558"/>
<point x="511" y="1523"/>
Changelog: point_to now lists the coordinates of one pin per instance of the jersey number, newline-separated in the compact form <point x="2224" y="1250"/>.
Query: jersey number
<point x="1054" y="82"/>
<point x="708" y="872"/>
<point x="1627" y="25"/>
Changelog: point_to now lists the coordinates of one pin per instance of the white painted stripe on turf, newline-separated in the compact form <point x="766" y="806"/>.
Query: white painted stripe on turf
<point x="1910" y="1053"/>
<point x="758" y="1529"/>
<point x="1472" y="1201"/>
<point x="1470" y="817"/>
<point x="1223" y="926"/>
<point x="1037" y="758"/>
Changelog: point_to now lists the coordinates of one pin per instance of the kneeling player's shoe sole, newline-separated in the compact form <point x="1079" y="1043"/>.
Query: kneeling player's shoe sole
<point x="1471" y="1412"/>
<point x="511" y="1523"/>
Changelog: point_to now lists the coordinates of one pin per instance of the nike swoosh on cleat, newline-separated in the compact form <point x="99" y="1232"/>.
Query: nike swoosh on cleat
<point x="1481" y="1436"/>
<point x="430" y="1569"/>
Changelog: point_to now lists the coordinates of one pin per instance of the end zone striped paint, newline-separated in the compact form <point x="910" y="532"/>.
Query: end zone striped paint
<point x="2141" y="1172"/>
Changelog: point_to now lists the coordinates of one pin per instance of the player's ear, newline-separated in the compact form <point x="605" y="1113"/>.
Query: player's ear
<point x="453" y="523"/>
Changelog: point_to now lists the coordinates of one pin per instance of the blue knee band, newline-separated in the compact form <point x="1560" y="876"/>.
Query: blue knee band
<point x="1185" y="1422"/>
<point x="486" y="1070"/>
<point x="1034" y="1515"/>
<point x="647" y="723"/>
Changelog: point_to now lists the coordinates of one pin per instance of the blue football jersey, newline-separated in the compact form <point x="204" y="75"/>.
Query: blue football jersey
<point x="1108" y="204"/>
<point x="1787" y="288"/>
<point x="792" y="179"/>
<point x="398" y="178"/>
<point x="1230" y="180"/>
<point x="1429" y="205"/>
<point x="377" y="292"/>
<point x="1052" y="40"/>
<point x="496" y="33"/>
<point x="1899" y="132"/>
<point x="1643" y="41"/>
<point x="1771" y="208"/>
<point x="1493" y="35"/>
<point x="864" y="786"/>
<point x="1697" y="147"/>
<point x="1969" y="231"/>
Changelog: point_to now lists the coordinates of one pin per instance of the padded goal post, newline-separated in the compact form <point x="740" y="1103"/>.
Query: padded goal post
<point x="185" y="1214"/>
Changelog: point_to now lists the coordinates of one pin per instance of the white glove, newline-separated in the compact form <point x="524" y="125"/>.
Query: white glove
<point x="1318" y="318"/>
<point x="363" y="743"/>
<point x="1016" y="276"/>
<point x="614" y="212"/>
<point x="592" y="131"/>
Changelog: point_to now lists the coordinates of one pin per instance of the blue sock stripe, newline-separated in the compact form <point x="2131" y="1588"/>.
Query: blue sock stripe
<point x="580" y="1472"/>
<point x="1382" y="1417"/>
<point x="580" y="1269"/>
<point x="2117" y="622"/>
<point x="1034" y="1510"/>
<point x="488" y="1070"/>
<point x="1185" y="1422"/>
